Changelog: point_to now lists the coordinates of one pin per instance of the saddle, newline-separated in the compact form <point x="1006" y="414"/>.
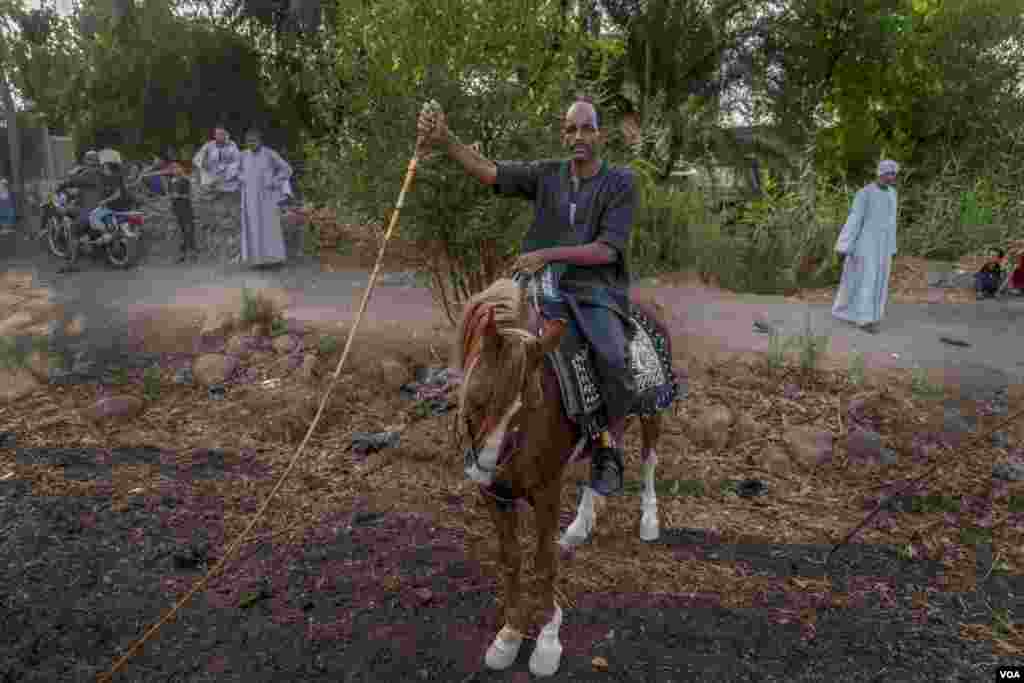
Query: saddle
<point x="655" y="381"/>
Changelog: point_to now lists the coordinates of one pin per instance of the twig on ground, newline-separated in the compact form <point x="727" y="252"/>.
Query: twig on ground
<point x="917" y="480"/>
<point x="839" y="414"/>
<point x="995" y="561"/>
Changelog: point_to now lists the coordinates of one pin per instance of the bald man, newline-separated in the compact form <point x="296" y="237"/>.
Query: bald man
<point x="578" y="246"/>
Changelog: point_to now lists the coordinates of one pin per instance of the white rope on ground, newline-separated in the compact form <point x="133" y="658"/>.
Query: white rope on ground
<point x="233" y="548"/>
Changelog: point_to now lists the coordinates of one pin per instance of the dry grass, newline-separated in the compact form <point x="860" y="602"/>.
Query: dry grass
<point x="424" y="474"/>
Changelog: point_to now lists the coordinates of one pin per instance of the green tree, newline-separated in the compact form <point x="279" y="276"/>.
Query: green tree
<point x="11" y="43"/>
<point x="474" y="65"/>
<point x="679" y="58"/>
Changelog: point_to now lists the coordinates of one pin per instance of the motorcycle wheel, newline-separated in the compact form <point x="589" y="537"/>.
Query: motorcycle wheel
<point x="58" y="234"/>
<point x="122" y="251"/>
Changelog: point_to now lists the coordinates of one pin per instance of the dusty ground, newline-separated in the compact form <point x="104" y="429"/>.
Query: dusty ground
<point x="909" y="284"/>
<point x="381" y="567"/>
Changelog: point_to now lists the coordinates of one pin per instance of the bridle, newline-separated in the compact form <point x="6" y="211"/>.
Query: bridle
<point x="494" y="428"/>
<point x="491" y="423"/>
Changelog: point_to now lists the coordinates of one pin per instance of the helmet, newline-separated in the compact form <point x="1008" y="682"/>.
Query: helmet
<point x="91" y="157"/>
<point x="109" y="156"/>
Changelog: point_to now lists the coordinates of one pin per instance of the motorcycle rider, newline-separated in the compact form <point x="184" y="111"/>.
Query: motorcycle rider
<point x="90" y="184"/>
<point x="99" y="187"/>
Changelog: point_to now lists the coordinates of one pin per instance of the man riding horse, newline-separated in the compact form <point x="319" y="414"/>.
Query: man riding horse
<point x="578" y="243"/>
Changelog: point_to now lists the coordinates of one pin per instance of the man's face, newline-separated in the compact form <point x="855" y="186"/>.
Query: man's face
<point x="580" y="133"/>
<point x="887" y="179"/>
<point x="220" y="135"/>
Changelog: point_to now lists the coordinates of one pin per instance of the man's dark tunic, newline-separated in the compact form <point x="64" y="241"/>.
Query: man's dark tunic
<point x="596" y="296"/>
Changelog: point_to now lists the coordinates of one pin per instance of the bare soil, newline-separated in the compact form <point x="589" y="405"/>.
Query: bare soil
<point x="383" y="567"/>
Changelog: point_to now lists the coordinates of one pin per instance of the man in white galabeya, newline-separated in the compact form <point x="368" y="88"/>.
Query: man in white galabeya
<point x="263" y="175"/>
<point x="218" y="162"/>
<point x="868" y="243"/>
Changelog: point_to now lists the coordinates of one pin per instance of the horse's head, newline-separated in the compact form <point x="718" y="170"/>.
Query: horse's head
<point x="500" y="363"/>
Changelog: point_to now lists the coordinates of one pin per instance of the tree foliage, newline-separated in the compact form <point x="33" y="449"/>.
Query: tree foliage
<point x="826" y="86"/>
<point x="498" y="90"/>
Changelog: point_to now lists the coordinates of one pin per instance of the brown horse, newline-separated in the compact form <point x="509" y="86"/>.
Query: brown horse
<point x="520" y="442"/>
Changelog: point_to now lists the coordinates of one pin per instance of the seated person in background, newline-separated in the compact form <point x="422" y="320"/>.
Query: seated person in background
<point x="1016" y="283"/>
<point x="988" y="279"/>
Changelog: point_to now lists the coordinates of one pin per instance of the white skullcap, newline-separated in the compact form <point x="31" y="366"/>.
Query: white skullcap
<point x="888" y="166"/>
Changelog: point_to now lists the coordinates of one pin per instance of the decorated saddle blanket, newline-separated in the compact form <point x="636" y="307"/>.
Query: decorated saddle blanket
<point x="654" y="380"/>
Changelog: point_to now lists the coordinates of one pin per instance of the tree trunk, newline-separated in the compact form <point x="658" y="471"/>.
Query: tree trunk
<point x="17" y="184"/>
<point x="590" y="26"/>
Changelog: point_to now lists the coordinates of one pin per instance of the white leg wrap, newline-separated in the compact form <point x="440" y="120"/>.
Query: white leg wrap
<point x="548" y="654"/>
<point x="583" y="525"/>
<point x="649" y="530"/>
<point x="503" y="651"/>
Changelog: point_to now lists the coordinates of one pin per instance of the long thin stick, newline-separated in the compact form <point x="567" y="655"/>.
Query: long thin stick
<point x="917" y="480"/>
<point x="233" y="548"/>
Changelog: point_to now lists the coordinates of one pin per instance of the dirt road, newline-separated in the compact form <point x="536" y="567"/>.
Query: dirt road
<point x="707" y="321"/>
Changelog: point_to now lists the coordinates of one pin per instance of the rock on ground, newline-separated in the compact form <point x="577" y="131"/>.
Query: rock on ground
<point x="392" y="372"/>
<point x="16" y="384"/>
<point x="240" y="345"/>
<point x="809" y="446"/>
<point x="286" y="344"/>
<point x="217" y="324"/>
<point x="747" y="429"/>
<point x="773" y="459"/>
<point x="42" y="365"/>
<point x="213" y="368"/>
<point x="14" y="323"/>
<point x="1008" y="471"/>
<point x="863" y="445"/>
<point x="113" y="408"/>
<point x="711" y="428"/>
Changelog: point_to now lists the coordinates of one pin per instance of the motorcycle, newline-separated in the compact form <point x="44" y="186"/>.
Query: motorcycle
<point x="59" y="213"/>
<point x="116" y="232"/>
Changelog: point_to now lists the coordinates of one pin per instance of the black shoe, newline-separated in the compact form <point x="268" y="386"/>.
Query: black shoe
<point x="606" y="471"/>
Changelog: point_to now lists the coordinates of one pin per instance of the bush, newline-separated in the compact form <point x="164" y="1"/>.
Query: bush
<point x="463" y="234"/>
<point x="671" y="231"/>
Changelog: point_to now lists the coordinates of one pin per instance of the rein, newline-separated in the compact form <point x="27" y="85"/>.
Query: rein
<point x="473" y="350"/>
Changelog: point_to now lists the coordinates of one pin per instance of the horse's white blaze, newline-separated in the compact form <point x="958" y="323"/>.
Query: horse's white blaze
<point x="548" y="652"/>
<point x="503" y="651"/>
<point x="649" y="500"/>
<point x="583" y="525"/>
<point x="482" y="471"/>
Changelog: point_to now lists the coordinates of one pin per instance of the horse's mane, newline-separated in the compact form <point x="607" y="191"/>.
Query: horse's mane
<point x="506" y="298"/>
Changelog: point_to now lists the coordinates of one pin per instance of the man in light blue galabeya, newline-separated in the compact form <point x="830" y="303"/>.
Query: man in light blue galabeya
<point x="868" y="244"/>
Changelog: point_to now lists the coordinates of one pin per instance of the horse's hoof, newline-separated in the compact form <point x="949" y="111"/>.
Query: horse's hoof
<point x="573" y="541"/>
<point x="545" y="658"/>
<point x="503" y="651"/>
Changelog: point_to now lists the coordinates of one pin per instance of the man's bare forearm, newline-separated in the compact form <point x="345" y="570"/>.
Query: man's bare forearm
<point x="476" y="164"/>
<point x="593" y="254"/>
